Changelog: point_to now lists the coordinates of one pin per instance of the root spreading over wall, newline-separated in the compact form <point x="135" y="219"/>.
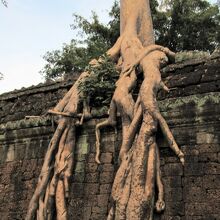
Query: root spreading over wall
<point x="133" y="190"/>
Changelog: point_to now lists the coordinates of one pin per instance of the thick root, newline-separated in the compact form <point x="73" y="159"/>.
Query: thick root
<point x="132" y="131"/>
<point x="111" y="121"/>
<point x="73" y="95"/>
<point x="98" y="135"/>
<point x="111" y="214"/>
<point x="168" y="135"/>
<point x="60" y="202"/>
<point x="160" y="204"/>
<point x="144" y="53"/>
<point x="45" y="172"/>
<point x="134" y="185"/>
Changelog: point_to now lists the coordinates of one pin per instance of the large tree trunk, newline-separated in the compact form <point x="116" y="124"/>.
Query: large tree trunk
<point x="139" y="173"/>
<point x="133" y="189"/>
<point x="141" y="13"/>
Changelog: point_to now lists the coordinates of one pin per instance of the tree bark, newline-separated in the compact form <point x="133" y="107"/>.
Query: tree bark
<point x="141" y="13"/>
<point x="138" y="175"/>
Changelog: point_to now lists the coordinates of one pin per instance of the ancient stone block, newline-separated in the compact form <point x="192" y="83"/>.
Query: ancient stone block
<point x="172" y="169"/>
<point x="205" y="138"/>
<point x="91" y="167"/>
<point x="209" y="148"/>
<point x="173" y="194"/>
<point x="98" y="216"/>
<point x="105" y="188"/>
<point x="172" y="181"/>
<point x="78" y="177"/>
<point x="106" y="158"/>
<point x="87" y="211"/>
<point x="208" y="157"/>
<point x="107" y="167"/>
<point x="211" y="181"/>
<point x="103" y="200"/>
<point x="212" y="168"/>
<point x="106" y="177"/>
<point x="192" y="181"/>
<point x="213" y="195"/>
<point x="99" y="210"/>
<point x="10" y="155"/>
<point x="92" y="178"/>
<point x="202" y="209"/>
<point x="91" y="188"/>
<point x="194" y="169"/>
<point x="90" y="200"/>
<point x="194" y="194"/>
<point x="174" y="209"/>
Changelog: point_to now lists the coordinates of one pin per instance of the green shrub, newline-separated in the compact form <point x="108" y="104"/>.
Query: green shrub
<point x="100" y="84"/>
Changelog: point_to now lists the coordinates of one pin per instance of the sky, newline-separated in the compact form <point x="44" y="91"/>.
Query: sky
<point x="30" y="28"/>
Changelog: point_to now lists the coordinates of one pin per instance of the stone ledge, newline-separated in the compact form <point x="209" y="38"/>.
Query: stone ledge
<point x="192" y="62"/>
<point x="42" y="87"/>
<point x="169" y="106"/>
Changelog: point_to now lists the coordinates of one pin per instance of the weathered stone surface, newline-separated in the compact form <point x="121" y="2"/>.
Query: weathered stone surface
<point x="105" y="188"/>
<point x="192" y="110"/>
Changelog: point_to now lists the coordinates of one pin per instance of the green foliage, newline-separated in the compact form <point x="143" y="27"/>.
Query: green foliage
<point x="74" y="57"/>
<point x="100" y="84"/>
<point x="190" y="25"/>
<point x="71" y="58"/>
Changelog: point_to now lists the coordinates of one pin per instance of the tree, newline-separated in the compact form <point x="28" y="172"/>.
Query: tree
<point x="134" y="185"/>
<point x="98" y="38"/>
<point x="191" y="25"/>
<point x="174" y="21"/>
<point x="71" y="58"/>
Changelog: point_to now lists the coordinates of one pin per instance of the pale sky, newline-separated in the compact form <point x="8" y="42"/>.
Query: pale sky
<point x="30" y="28"/>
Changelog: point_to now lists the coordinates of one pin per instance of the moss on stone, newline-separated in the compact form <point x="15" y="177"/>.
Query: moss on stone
<point x="82" y="145"/>
<point x="199" y="101"/>
<point x="191" y="55"/>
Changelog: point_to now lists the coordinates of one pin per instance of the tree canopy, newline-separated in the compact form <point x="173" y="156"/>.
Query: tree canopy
<point x="178" y="24"/>
<point x="74" y="57"/>
<point x="190" y="25"/>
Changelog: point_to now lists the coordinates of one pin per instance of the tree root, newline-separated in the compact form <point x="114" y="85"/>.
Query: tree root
<point x="131" y="194"/>
<point x="52" y="189"/>
<point x="139" y="173"/>
<point x="53" y="184"/>
<point x="45" y="172"/>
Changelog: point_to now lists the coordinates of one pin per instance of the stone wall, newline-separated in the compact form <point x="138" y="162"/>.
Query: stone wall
<point x="192" y="110"/>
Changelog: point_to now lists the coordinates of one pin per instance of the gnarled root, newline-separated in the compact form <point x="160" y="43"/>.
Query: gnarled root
<point x="70" y="101"/>
<point x="53" y="183"/>
<point x="54" y="188"/>
<point x="45" y="171"/>
<point x="168" y="135"/>
<point x="144" y="53"/>
<point x="111" y="214"/>
<point x="133" y="189"/>
<point x="160" y="204"/>
<point x="132" y="131"/>
<point x="111" y="121"/>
